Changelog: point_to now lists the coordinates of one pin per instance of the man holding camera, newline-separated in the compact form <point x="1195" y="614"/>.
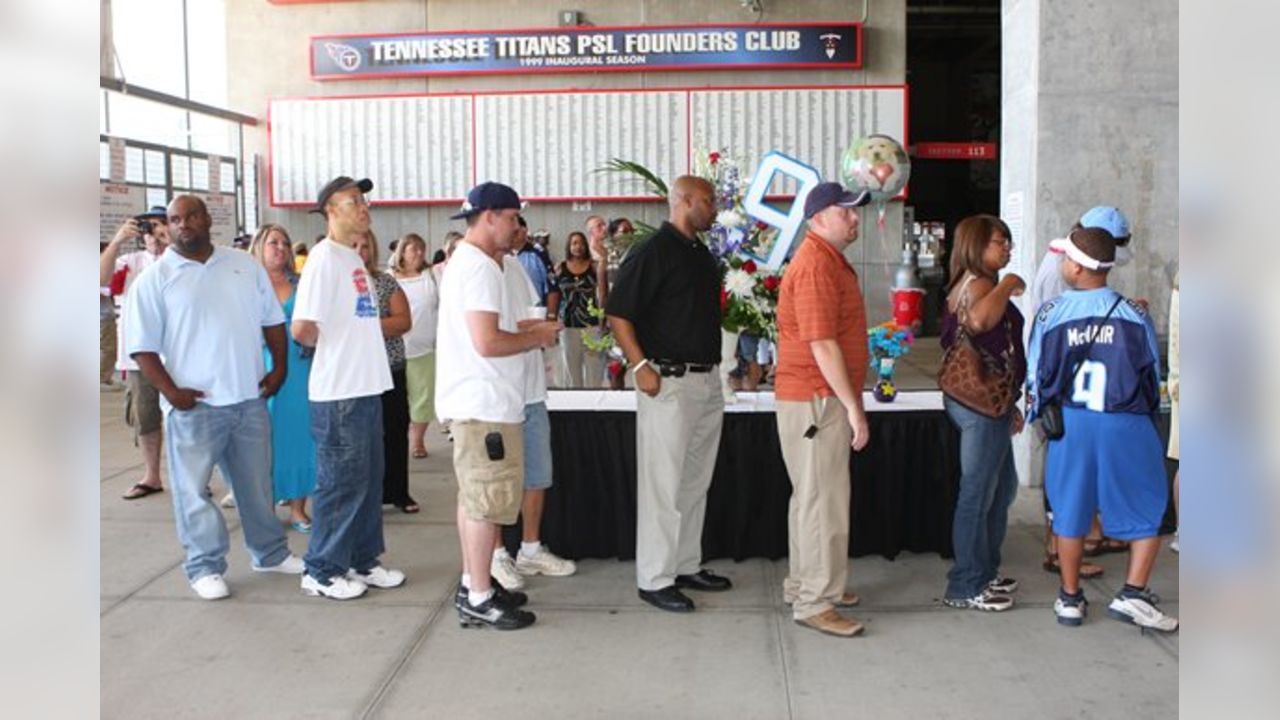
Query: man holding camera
<point x="137" y="244"/>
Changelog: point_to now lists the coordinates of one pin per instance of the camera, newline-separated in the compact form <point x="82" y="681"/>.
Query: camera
<point x="145" y="226"/>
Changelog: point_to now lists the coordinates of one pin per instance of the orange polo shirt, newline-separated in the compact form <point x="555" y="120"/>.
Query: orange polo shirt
<point x="819" y="299"/>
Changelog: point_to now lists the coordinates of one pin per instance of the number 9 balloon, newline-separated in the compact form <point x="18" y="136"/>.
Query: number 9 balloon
<point x="878" y="164"/>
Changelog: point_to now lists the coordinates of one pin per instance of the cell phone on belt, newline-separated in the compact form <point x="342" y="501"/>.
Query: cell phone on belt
<point x="493" y="444"/>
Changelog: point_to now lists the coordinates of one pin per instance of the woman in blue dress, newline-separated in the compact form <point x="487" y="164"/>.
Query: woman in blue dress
<point x="293" y="451"/>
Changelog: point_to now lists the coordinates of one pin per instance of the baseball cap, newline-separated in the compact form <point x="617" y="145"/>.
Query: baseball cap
<point x="156" y="211"/>
<point x="336" y="185"/>
<point x="1071" y="249"/>
<point x="1107" y="218"/>
<point x="826" y="194"/>
<point x="488" y="196"/>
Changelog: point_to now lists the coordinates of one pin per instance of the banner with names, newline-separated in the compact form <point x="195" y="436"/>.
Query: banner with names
<point x="823" y="46"/>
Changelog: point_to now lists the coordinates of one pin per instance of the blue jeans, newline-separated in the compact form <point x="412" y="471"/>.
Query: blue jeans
<point x="236" y="438"/>
<point x="988" y="483"/>
<point x="537" y="447"/>
<point x="346" y="526"/>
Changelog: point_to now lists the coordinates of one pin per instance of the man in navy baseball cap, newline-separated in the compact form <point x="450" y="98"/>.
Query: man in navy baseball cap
<point x="826" y="194"/>
<point x="337" y="185"/>
<point x="488" y="196"/>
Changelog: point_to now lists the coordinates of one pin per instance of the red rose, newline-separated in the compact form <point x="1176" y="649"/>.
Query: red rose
<point x="615" y="368"/>
<point x="762" y="225"/>
<point x="714" y="158"/>
<point x="724" y="299"/>
<point x="749" y="267"/>
<point x="771" y="283"/>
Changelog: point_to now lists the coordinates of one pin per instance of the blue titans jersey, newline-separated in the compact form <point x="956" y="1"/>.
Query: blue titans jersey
<point x="1122" y="371"/>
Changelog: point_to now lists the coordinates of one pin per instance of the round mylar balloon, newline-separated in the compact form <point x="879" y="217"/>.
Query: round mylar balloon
<point x="877" y="163"/>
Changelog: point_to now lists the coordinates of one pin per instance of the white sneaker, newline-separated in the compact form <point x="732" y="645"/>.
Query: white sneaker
<point x="1173" y="545"/>
<point x="339" y="587"/>
<point x="211" y="587"/>
<point x="228" y="501"/>
<point x="378" y="576"/>
<point x="544" y="562"/>
<point x="503" y="568"/>
<point x="1141" y="610"/>
<point x="291" y="565"/>
<point x="1070" y="611"/>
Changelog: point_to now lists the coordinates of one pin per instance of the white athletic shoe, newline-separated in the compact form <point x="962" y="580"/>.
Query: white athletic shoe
<point x="504" y="568"/>
<point x="544" y="562"/>
<point x="211" y="587"/>
<point x="339" y="587"/>
<point x="291" y="565"/>
<point x="378" y="576"/>
<point x="1141" y="610"/>
<point x="1070" y="611"/>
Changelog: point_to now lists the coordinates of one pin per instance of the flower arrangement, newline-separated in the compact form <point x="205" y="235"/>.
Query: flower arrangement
<point x="887" y="342"/>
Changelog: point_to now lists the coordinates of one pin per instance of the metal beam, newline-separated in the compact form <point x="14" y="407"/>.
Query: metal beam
<point x="124" y="88"/>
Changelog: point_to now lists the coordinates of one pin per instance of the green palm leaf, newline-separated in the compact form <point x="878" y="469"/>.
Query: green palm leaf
<point x="653" y="183"/>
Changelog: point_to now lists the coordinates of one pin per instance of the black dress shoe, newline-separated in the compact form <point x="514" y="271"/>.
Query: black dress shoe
<point x="704" y="580"/>
<point x="668" y="598"/>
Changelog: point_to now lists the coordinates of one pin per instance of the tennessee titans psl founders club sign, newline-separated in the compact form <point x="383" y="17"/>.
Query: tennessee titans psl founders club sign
<point x="588" y="49"/>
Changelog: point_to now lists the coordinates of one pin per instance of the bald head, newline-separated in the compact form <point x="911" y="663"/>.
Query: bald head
<point x="693" y="206"/>
<point x="189" y="225"/>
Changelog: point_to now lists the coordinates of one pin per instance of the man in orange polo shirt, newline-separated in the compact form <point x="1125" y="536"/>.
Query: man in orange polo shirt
<point x="822" y="361"/>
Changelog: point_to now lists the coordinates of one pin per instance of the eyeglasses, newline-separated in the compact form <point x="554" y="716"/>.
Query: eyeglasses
<point x="1007" y="242"/>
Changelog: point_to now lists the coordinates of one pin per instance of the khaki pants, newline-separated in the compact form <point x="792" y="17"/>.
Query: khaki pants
<point x="818" y="517"/>
<point x="584" y="367"/>
<point x="677" y="438"/>
<point x="107" y="344"/>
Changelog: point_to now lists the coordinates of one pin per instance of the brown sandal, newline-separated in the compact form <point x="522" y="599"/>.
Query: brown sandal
<point x="1103" y="546"/>
<point x="1088" y="571"/>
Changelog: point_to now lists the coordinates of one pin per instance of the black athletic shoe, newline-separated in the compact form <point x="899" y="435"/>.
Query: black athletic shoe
<point x="495" y="614"/>
<point x="514" y="599"/>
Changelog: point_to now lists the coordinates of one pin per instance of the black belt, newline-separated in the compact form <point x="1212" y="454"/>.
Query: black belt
<point x="671" y="368"/>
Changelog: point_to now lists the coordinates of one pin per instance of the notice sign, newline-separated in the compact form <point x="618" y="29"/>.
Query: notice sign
<point x="588" y="49"/>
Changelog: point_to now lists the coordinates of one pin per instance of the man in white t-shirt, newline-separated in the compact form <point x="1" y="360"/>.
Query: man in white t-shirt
<point x="336" y="311"/>
<point x="480" y="389"/>
<point x="198" y="320"/>
<point x="520" y="299"/>
<point x="119" y="266"/>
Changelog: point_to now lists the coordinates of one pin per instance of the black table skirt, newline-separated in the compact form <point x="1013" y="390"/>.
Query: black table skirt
<point x="904" y="487"/>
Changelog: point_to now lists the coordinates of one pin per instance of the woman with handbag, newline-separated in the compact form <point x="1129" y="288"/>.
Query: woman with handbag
<point x="983" y="368"/>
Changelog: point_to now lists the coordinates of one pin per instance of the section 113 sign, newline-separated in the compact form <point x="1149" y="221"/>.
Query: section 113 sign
<point x="588" y="49"/>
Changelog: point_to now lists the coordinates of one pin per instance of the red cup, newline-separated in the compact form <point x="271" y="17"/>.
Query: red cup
<point x="907" y="306"/>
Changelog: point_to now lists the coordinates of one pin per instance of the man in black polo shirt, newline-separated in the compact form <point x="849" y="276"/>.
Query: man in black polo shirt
<point x="665" y="313"/>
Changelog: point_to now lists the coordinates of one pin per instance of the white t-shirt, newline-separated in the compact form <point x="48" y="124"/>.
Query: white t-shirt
<point x="520" y="295"/>
<point x="337" y="294"/>
<point x="468" y="386"/>
<point x="135" y="262"/>
<point x="424" y="308"/>
<point x="205" y="321"/>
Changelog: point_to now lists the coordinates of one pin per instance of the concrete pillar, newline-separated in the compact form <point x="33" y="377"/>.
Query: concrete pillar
<point x="1090" y="117"/>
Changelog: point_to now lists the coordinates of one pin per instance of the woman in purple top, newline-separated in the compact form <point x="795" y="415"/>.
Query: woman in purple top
<point x="988" y="481"/>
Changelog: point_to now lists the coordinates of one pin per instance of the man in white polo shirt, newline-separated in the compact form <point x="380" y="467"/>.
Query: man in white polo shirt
<point x="336" y="311"/>
<point x="480" y="388"/>
<point x="199" y="317"/>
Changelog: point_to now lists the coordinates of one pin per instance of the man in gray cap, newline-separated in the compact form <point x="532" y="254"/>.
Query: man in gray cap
<point x="336" y="311"/>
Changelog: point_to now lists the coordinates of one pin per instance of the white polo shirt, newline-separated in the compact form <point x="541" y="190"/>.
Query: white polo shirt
<point x="205" y="321"/>
<point x="468" y="386"/>
<point x="337" y="293"/>
<point x="520" y="295"/>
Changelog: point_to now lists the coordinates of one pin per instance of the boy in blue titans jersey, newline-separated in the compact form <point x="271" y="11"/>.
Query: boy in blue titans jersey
<point x="1094" y="353"/>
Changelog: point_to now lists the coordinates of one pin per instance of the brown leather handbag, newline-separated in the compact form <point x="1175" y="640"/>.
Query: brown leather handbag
<point x="972" y="377"/>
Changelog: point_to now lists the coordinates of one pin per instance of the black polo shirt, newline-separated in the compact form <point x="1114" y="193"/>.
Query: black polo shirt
<point x="669" y="288"/>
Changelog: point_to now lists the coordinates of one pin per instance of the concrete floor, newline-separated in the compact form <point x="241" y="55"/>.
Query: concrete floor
<point x="597" y="651"/>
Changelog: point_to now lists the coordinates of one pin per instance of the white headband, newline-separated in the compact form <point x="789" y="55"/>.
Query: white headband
<point x="1067" y="246"/>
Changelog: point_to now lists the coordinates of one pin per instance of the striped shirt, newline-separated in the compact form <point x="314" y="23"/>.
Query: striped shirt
<point x="819" y="300"/>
